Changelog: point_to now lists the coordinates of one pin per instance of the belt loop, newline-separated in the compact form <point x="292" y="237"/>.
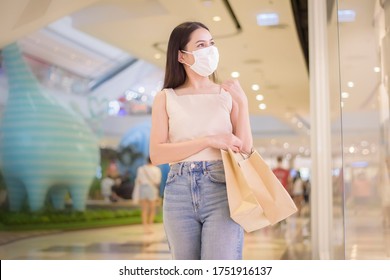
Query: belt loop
<point x="204" y="167"/>
<point x="181" y="168"/>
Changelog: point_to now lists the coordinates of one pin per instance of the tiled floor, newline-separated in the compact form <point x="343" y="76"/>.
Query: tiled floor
<point x="365" y="239"/>
<point x="130" y="242"/>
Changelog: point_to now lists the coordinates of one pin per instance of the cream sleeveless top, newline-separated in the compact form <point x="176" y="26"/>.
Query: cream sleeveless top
<point x="198" y="115"/>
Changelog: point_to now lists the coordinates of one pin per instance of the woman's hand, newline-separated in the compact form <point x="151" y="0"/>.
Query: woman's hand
<point x="240" y="114"/>
<point x="225" y="141"/>
<point x="234" y="88"/>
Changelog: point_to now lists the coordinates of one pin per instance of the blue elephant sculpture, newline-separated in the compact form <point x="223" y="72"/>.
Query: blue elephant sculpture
<point x="137" y="140"/>
<point x="45" y="148"/>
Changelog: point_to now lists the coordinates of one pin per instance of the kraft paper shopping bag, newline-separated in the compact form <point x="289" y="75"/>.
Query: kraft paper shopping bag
<point x="244" y="207"/>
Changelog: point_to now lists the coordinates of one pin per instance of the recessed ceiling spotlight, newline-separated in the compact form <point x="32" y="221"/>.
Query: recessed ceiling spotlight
<point x="217" y="18"/>
<point x="141" y="89"/>
<point x="235" y="74"/>
<point x="364" y="143"/>
<point x="377" y="69"/>
<point x="262" y="106"/>
<point x="259" y="97"/>
<point x="207" y="3"/>
<point x="157" y="55"/>
<point x="344" y="94"/>
<point x="350" y="84"/>
<point x="255" y="87"/>
<point x="346" y="15"/>
<point x="267" y="19"/>
<point x="113" y="107"/>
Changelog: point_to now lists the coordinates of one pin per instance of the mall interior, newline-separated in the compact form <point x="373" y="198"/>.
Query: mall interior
<point x="77" y="83"/>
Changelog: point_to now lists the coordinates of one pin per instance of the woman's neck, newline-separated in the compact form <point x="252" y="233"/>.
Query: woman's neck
<point x="197" y="82"/>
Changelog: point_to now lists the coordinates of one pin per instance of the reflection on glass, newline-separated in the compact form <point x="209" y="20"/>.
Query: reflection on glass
<point x="336" y="137"/>
<point x="363" y="49"/>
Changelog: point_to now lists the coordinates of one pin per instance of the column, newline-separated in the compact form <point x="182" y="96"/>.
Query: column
<point x="321" y="192"/>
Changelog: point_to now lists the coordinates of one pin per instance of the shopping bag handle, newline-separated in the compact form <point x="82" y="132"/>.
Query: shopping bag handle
<point x="244" y="154"/>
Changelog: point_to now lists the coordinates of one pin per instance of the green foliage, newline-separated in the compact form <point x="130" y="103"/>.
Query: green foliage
<point x="69" y="219"/>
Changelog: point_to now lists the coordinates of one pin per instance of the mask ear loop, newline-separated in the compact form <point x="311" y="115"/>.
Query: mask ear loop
<point x="183" y="59"/>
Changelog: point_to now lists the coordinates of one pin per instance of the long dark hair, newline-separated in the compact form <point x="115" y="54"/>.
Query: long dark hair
<point x="175" y="75"/>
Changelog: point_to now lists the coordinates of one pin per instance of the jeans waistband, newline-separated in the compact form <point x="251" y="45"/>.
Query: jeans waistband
<point x="195" y="166"/>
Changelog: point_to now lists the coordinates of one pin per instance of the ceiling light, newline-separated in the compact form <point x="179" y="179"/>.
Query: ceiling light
<point x="364" y="143"/>
<point x="262" y="106"/>
<point x="300" y="124"/>
<point x="259" y="97"/>
<point x="235" y="74"/>
<point x="255" y="87"/>
<point x="377" y="69"/>
<point x="113" y="107"/>
<point x="346" y="15"/>
<point x="216" y="18"/>
<point x="207" y="3"/>
<point x="350" y="84"/>
<point x="157" y="55"/>
<point x="144" y="98"/>
<point x="286" y="145"/>
<point x="267" y="19"/>
<point x="141" y="89"/>
<point x="344" y="94"/>
<point x="351" y="149"/>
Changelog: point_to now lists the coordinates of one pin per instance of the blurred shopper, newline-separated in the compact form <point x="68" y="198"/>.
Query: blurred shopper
<point x="283" y="174"/>
<point x="306" y="191"/>
<point x="297" y="191"/>
<point x="122" y="189"/>
<point x="108" y="182"/>
<point x="192" y="119"/>
<point x="361" y="189"/>
<point x="146" y="192"/>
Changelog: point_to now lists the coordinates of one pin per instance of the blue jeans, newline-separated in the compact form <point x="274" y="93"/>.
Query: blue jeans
<point x="196" y="213"/>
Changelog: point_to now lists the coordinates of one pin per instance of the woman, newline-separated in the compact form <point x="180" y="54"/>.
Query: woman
<point x="192" y="119"/>
<point x="297" y="192"/>
<point x="146" y="189"/>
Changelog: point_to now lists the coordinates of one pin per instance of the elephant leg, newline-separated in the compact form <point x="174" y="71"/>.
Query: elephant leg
<point x="79" y="194"/>
<point x="36" y="193"/>
<point x="57" y="196"/>
<point x="16" y="193"/>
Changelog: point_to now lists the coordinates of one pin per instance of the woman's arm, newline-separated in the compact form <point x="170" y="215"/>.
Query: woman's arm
<point x="240" y="114"/>
<point x="161" y="151"/>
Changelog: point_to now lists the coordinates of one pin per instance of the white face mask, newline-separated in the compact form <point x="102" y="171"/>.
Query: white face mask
<point x="206" y="61"/>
